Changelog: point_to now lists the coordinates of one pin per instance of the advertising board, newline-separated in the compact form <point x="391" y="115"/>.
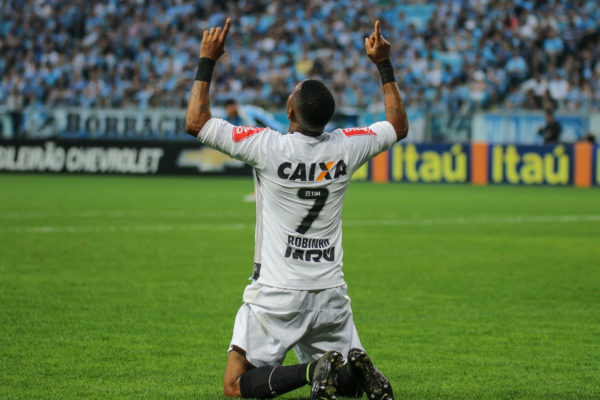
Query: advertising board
<point x="117" y="157"/>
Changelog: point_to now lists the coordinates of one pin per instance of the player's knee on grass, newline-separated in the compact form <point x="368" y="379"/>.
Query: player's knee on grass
<point x="231" y="386"/>
<point x="230" y="389"/>
<point x="237" y="365"/>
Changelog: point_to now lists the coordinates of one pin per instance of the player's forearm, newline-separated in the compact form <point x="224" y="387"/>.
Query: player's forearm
<point x="211" y="48"/>
<point x="395" y="113"/>
<point x="198" y="109"/>
<point x="378" y="50"/>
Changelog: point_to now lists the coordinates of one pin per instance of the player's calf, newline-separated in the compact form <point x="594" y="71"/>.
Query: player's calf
<point x="269" y="382"/>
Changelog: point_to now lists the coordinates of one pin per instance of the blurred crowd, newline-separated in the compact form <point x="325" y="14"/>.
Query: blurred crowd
<point x="448" y="55"/>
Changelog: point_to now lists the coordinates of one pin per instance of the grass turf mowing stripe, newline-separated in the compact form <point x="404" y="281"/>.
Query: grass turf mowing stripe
<point x="537" y="219"/>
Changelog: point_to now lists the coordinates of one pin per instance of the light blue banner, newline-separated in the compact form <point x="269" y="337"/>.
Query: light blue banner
<point x="523" y="128"/>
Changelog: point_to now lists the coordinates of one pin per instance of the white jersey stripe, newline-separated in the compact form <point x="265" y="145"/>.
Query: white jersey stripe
<point x="258" y="234"/>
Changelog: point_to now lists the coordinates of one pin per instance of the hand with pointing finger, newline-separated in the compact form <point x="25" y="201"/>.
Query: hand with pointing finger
<point x="378" y="49"/>
<point x="213" y="42"/>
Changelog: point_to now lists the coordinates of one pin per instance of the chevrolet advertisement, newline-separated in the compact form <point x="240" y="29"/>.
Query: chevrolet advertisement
<point x="117" y="157"/>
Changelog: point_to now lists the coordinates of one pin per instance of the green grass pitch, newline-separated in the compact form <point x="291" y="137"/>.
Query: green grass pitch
<point x="121" y="287"/>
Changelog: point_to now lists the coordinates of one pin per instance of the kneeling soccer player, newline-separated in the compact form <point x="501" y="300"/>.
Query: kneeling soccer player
<point x="298" y="298"/>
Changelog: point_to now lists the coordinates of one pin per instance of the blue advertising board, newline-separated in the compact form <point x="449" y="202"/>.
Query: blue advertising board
<point x="531" y="164"/>
<point x="430" y="163"/>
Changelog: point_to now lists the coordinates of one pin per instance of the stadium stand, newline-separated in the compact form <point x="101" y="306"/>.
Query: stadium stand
<point x="487" y="54"/>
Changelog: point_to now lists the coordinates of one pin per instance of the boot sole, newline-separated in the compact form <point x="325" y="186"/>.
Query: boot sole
<point x="375" y="385"/>
<point x="323" y="388"/>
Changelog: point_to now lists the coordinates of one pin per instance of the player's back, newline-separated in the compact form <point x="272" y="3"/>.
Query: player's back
<point x="300" y="194"/>
<point x="301" y="185"/>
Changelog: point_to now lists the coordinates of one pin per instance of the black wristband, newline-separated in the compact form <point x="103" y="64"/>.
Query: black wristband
<point x="205" y="69"/>
<point x="386" y="71"/>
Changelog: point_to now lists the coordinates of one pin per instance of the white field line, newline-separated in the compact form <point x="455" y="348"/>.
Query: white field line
<point x="349" y="223"/>
<point x="123" y="228"/>
<point x="111" y="214"/>
<point x="529" y="219"/>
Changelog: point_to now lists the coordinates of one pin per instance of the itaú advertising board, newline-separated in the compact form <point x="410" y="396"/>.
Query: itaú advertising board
<point x="482" y="163"/>
<point x="530" y="165"/>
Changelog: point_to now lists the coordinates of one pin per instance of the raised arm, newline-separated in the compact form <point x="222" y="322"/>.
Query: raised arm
<point x="378" y="50"/>
<point x="211" y="49"/>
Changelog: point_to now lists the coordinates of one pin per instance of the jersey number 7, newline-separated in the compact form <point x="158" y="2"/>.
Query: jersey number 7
<point x="319" y="196"/>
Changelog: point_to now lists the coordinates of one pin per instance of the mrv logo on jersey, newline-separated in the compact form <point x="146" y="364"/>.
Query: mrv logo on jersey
<point x="308" y="249"/>
<point x="314" y="172"/>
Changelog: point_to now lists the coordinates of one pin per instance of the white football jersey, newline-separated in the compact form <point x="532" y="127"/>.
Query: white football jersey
<point x="301" y="183"/>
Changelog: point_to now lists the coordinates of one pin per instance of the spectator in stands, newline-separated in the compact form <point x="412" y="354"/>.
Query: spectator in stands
<point x="573" y="33"/>
<point x="558" y="87"/>
<point x="537" y="84"/>
<point x="232" y="113"/>
<point x="14" y="106"/>
<point x="516" y="69"/>
<point x="589" y="137"/>
<point x="528" y="25"/>
<point x="552" y="130"/>
<point x="531" y="101"/>
<point x="547" y="102"/>
<point x="553" y="44"/>
<point x="515" y="99"/>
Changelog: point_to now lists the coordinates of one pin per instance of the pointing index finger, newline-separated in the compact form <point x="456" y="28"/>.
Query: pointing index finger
<point x="226" y="29"/>
<point x="377" y="28"/>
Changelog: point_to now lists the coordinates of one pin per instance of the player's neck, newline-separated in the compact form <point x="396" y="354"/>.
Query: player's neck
<point x="296" y="127"/>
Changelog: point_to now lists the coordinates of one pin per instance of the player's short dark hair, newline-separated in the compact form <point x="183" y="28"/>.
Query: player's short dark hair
<point x="230" y="102"/>
<point x="315" y="103"/>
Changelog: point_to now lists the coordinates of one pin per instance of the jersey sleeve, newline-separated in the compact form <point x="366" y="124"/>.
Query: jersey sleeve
<point x="367" y="142"/>
<point x="240" y="142"/>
